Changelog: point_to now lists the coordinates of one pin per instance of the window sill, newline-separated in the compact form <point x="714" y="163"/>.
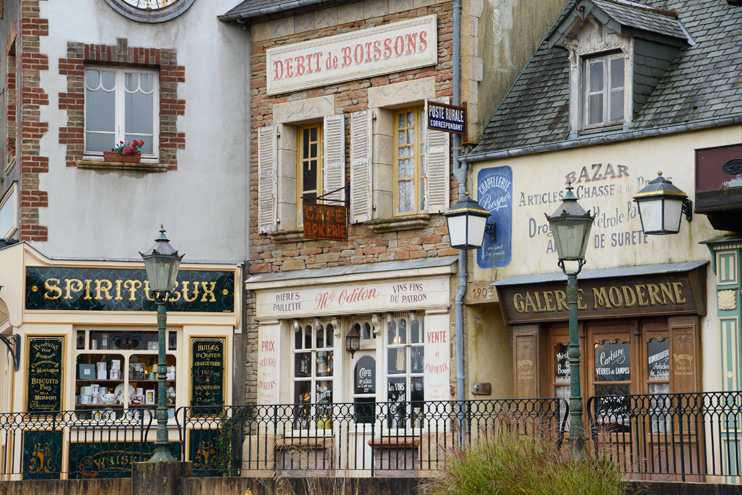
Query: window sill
<point x="280" y="236"/>
<point x="409" y="222"/>
<point x="598" y="130"/>
<point x="121" y="166"/>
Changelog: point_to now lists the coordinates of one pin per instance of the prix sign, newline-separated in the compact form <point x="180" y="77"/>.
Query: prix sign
<point x="360" y="54"/>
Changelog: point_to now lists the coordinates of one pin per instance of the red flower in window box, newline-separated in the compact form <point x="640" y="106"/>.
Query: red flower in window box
<point x="125" y="152"/>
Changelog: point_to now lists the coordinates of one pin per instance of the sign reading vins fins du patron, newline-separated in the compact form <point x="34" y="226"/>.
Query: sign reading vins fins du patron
<point x="113" y="289"/>
<point x="207" y="383"/>
<point x="45" y="370"/>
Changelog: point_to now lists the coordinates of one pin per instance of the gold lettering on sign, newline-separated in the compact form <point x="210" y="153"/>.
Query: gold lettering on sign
<point x="103" y="285"/>
<point x="185" y="291"/>
<point x="208" y="291"/>
<point x="629" y="294"/>
<point x="678" y="286"/>
<point x="51" y="286"/>
<point x="132" y="286"/>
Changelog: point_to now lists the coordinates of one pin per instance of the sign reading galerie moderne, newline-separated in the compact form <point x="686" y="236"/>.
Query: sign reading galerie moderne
<point x="359" y="54"/>
<point x="669" y="293"/>
<point x="112" y="289"/>
<point x="353" y="298"/>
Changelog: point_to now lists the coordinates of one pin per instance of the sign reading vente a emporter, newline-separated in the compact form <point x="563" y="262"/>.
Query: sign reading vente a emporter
<point x="446" y="118"/>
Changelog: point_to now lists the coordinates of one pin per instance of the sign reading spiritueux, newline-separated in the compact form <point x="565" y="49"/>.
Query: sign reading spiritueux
<point x="112" y="289"/>
<point x="446" y="118"/>
<point x="207" y="372"/>
<point x="325" y="221"/>
<point x="45" y="372"/>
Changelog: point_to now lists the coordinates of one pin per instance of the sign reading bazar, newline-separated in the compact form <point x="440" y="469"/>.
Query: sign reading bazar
<point x="325" y="221"/>
<point x="113" y="289"/>
<point x="668" y="293"/>
<point x="356" y="55"/>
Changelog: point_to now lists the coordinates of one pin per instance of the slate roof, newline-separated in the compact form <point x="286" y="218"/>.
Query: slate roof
<point x="641" y="19"/>
<point x="704" y="81"/>
<point x="257" y="8"/>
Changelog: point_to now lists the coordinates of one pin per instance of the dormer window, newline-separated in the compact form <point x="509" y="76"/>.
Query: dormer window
<point x="604" y="90"/>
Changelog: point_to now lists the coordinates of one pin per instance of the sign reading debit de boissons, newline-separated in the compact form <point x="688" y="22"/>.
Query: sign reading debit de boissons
<point x="356" y="55"/>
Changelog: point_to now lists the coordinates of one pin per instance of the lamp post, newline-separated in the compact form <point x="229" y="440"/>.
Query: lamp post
<point x="661" y="207"/>
<point x="162" y="263"/>
<point x="570" y="225"/>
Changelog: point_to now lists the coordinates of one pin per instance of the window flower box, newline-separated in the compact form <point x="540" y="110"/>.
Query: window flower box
<point x="115" y="156"/>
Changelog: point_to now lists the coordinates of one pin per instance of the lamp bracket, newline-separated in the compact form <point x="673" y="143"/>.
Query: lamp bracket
<point x="14" y="346"/>
<point x="576" y="272"/>
<point x="491" y="229"/>
<point x="688" y="209"/>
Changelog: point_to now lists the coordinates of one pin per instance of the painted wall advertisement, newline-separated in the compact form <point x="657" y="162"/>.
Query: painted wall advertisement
<point x="495" y="193"/>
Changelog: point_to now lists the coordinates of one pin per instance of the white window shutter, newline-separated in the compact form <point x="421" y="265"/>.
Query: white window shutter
<point x="334" y="154"/>
<point x="438" y="161"/>
<point x="360" y="166"/>
<point x="267" y="179"/>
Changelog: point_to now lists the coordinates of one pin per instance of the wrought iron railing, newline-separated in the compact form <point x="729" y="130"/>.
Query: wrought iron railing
<point x="680" y="437"/>
<point x="335" y="439"/>
<point x="72" y="444"/>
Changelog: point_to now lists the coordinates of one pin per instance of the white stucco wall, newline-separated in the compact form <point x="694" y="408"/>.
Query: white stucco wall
<point x="203" y="204"/>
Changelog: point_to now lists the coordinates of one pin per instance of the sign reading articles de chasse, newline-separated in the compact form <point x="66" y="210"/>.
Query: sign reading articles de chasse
<point x="667" y="293"/>
<point x="207" y="358"/>
<point x="45" y="372"/>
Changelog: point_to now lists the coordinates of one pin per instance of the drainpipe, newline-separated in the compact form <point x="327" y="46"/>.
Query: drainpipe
<point x="460" y="174"/>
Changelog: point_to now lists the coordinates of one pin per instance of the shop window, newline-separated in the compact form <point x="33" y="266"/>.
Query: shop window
<point x="309" y="165"/>
<point x="121" y="105"/>
<point x="658" y="382"/>
<point x="561" y="375"/>
<point x="405" y="372"/>
<point x="313" y="375"/>
<point x="409" y="161"/>
<point x="116" y="375"/>
<point x="604" y="90"/>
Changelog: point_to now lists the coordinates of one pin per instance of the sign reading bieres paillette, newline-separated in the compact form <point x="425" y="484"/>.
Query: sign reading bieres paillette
<point x="359" y="54"/>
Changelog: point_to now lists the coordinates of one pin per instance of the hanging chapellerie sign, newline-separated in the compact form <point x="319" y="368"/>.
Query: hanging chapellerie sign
<point x="207" y="371"/>
<point x="45" y="372"/>
<point x="113" y="289"/>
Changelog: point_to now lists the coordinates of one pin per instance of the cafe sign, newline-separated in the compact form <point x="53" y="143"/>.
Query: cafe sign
<point x="655" y="294"/>
<point x="325" y="221"/>
<point x="359" y="54"/>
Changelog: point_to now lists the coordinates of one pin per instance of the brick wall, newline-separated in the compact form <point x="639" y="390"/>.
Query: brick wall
<point x="363" y="244"/>
<point x="32" y="129"/>
<point x="165" y="61"/>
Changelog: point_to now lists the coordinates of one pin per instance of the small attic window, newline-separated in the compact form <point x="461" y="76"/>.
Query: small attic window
<point x="604" y="90"/>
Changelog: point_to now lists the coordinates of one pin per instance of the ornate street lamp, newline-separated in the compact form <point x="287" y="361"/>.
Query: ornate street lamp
<point x="352" y="341"/>
<point x="661" y="207"/>
<point x="162" y="263"/>
<point x="570" y="225"/>
<point x="467" y="222"/>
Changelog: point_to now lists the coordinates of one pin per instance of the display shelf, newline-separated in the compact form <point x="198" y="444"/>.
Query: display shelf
<point x="85" y="380"/>
<point x="149" y="381"/>
<point x="98" y="406"/>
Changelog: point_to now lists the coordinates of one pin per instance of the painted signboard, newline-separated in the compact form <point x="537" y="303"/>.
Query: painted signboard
<point x="365" y="376"/>
<point x="111" y="459"/>
<point x="42" y="455"/>
<point x="207" y="372"/>
<point x="361" y="53"/>
<point x="446" y="118"/>
<point x="268" y="365"/>
<point x="667" y="293"/>
<point x="45" y="373"/>
<point x="495" y="194"/>
<point x="325" y="221"/>
<point x="353" y="298"/>
<point x="112" y="289"/>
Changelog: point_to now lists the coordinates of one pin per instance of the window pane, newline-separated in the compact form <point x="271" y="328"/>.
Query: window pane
<point x="612" y="362"/>
<point x="314" y="133"/>
<point x="411" y="119"/>
<point x="617" y="73"/>
<point x="366" y="334"/>
<point x="391" y="332"/>
<point x="417" y="389"/>
<point x="320" y="334"/>
<point x="308" y="337"/>
<point x="330" y="335"/>
<point x="617" y="105"/>
<point x="302" y="395"/>
<point x="415" y="332"/>
<point x="99" y="142"/>
<point x="138" y="110"/>
<point x="313" y="150"/>
<point x="147" y="147"/>
<point x="595" y="109"/>
<point x="406" y="169"/>
<point x="410" y="136"/>
<point x="100" y="111"/>
<point x="323" y="392"/>
<point x="396" y="389"/>
<point x="561" y="371"/>
<point x="305" y="143"/>
<point x="418" y="359"/>
<point x="406" y="196"/>
<point x="402" y="331"/>
<point x="303" y="364"/>
<point x="309" y="175"/>
<point x="109" y="80"/>
<point x="324" y="363"/>
<point x="401" y="139"/>
<point x="92" y="79"/>
<point x="131" y="81"/>
<point x="401" y="121"/>
<point x="596" y="76"/>
<point x="146" y="82"/>
<point x="423" y="126"/>
<point x="658" y="361"/>
<point x="396" y="360"/>
<point x="297" y="340"/>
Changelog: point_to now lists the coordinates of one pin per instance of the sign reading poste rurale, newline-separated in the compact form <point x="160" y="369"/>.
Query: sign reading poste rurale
<point x="359" y="54"/>
<point x="446" y="118"/>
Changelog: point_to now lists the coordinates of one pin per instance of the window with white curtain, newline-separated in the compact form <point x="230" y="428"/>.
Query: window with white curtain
<point x="121" y="104"/>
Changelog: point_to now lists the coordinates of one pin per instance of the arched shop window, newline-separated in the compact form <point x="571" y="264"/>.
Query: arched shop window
<point x="313" y="372"/>
<point x="405" y="371"/>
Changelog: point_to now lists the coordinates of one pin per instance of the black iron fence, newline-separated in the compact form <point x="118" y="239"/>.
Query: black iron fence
<point x="680" y="437"/>
<point x="72" y="444"/>
<point x="337" y="439"/>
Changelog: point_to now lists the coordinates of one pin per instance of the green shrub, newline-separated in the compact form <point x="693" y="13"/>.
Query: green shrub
<point x="505" y="463"/>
